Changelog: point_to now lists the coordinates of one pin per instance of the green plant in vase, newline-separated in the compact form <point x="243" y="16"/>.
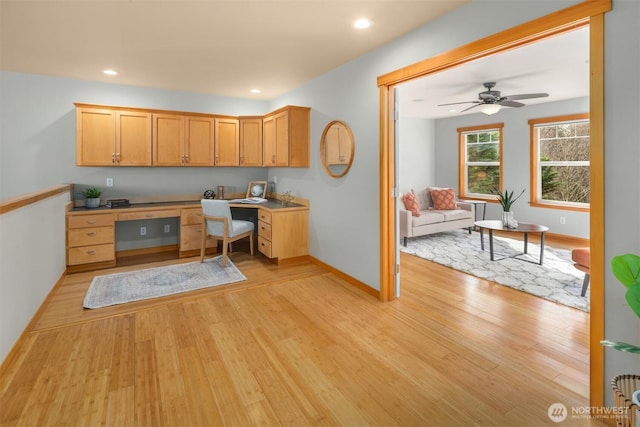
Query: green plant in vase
<point x="626" y="268"/>
<point x="506" y="199"/>
<point x="92" y="196"/>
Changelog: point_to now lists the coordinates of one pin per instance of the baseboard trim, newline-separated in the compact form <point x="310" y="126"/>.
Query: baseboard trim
<point x="147" y="251"/>
<point x="351" y="280"/>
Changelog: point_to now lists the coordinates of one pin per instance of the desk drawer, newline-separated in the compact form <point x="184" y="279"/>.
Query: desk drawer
<point x="264" y="216"/>
<point x="191" y="236"/>
<point x="264" y="246"/>
<point x="191" y="216"/>
<point x="130" y="216"/>
<point x="81" y="221"/>
<point x="264" y="230"/>
<point x="94" y="253"/>
<point x="90" y="236"/>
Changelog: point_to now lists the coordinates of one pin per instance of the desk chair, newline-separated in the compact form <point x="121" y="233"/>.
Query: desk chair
<point x="219" y="224"/>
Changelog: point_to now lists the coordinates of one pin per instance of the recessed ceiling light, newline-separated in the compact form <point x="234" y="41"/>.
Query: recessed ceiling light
<point x="255" y="91"/>
<point x="453" y="110"/>
<point x="361" y="23"/>
<point x="110" y="72"/>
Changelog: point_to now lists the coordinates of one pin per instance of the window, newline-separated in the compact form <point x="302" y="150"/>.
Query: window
<point x="479" y="154"/>
<point x="560" y="162"/>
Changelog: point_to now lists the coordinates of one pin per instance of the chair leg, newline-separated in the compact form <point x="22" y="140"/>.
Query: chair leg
<point x="225" y="244"/>
<point x="203" y="242"/>
<point x="585" y="283"/>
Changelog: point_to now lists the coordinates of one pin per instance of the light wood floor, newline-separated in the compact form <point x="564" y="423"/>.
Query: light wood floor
<point x="295" y="345"/>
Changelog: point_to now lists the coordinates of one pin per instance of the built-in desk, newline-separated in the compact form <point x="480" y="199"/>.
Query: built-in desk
<point x="283" y="232"/>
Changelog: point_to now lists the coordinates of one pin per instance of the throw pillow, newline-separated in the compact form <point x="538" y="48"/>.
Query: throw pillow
<point x="444" y="199"/>
<point x="411" y="203"/>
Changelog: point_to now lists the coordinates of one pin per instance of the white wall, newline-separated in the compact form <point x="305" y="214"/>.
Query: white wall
<point x="416" y="154"/>
<point x="32" y="259"/>
<point x="515" y="161"/>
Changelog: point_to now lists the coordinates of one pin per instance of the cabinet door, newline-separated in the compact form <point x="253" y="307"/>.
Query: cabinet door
<point x="168" y="140"/>
<point x="250" y="142"/>
<point x="95" y="137"/>
<point x="199" y="150"/>
<point x="227" y="142"/>
<point x="133" y="138"/>
<point x="282" y="138"/>
<point x="268" y="141"/>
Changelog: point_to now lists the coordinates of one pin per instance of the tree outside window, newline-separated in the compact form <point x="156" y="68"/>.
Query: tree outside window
<point x="561" y="149"/>
<point x="479" y="160"/>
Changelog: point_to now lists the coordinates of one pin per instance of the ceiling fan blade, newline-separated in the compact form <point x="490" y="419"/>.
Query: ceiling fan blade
<point x="526" y="96"/>
<point x="456" y="103"/>
<point x="469" y="108"/>
<point x="507" y="103"/>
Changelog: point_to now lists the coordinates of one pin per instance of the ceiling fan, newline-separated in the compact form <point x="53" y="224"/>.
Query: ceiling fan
<point x="490" y="101"/>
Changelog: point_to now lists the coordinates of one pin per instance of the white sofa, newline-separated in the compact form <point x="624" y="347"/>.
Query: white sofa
<point x="432" y="220"/>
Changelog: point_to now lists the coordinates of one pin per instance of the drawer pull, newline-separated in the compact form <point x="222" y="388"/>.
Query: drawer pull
<point x="91" y="252"/>
<point x="91" y="221"/>
<point x="199" y="230"/>
<point x="149" y="215"/>
<point x="91" y="234"/>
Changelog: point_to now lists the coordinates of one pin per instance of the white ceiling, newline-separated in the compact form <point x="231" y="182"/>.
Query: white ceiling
<point x="557" y="65"/>
<point x="220" y="47"/>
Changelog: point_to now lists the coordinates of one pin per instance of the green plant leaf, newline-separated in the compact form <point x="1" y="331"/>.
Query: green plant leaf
<point x="621" y="346"/>
<point x="626" y="268"/>
<point x="633" y="298"/>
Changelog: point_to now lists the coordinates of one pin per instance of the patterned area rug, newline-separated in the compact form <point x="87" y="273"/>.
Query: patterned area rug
<point x="556" y="280"/>
<point x="120" y="288"/>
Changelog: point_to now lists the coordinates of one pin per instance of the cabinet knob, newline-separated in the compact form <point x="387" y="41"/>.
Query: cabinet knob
<point x="118" y="157"/>
<point x="91" y="252"/>
<point x="91" y="234"/>
<point x="113" y="158"/>
<point x="148" y="215"/>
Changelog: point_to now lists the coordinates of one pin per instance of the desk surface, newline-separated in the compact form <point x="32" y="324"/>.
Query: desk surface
<point x="270" y="204"/>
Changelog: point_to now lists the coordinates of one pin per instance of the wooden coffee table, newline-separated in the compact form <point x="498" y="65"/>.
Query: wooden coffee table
<point x="493" y="225"/>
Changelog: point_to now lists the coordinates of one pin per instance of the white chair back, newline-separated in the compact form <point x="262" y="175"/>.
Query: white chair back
<point x="217" y="208"/>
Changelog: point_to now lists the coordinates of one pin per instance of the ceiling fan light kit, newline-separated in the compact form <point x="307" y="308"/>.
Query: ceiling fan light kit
<point x="491" y="101"/>
<point x="489" y="109"/>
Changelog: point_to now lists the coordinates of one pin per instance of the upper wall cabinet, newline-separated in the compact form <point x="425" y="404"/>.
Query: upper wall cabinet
<point x="180" y="140"/>
<point x="227" y="146"/>
<point x="112" y="137"/>
<point x="251" y="141"/>
<point x="285" y="136"/>
<point x="117" y="136"/>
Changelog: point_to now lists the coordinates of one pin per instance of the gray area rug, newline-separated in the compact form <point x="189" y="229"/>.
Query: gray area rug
<point x="120" y="288"/>
<point x="556" y="280"/>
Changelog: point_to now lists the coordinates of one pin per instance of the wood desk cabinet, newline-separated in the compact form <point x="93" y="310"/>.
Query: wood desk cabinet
<point x="283" y="232"/>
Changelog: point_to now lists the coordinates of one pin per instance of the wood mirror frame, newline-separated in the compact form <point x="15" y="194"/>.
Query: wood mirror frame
<point x="337" y="148"/>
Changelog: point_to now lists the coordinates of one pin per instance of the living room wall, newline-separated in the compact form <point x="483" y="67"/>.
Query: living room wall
<point x="515" y="162"/>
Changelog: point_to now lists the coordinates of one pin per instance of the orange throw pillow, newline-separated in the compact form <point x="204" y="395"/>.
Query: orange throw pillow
<point x="444" y="199"/>
<point x="411" y="203"/>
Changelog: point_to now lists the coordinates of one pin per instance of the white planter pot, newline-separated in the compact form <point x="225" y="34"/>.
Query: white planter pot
<point x="92" y="203"/>
<point x="508" y="220"/>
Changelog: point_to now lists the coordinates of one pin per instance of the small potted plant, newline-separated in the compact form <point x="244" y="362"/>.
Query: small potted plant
<point x="92" y="196"/>
<point x="506" y="199"/>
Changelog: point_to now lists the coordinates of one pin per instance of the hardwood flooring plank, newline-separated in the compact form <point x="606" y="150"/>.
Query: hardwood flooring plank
<point x="297" y="345"/>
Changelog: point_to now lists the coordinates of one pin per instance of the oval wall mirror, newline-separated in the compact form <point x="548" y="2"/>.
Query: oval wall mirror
<point x="337" y="148"/>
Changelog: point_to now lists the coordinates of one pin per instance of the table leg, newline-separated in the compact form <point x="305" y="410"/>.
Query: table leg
<point x="482" y="238"/>
<point x="491" y="243"/>
<point x="541" y="246"/>
<point x="526" y="242"/>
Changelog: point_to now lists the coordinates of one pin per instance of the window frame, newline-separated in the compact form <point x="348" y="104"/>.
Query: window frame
<point x="535" y="196"/>
<point x="462" y="160"/>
